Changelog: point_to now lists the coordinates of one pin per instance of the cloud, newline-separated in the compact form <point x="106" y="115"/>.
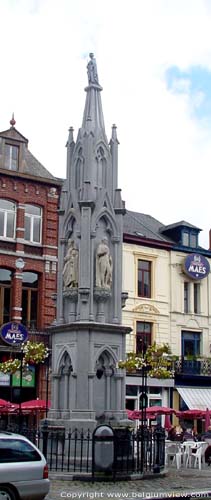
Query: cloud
<point x="164" y="141"/>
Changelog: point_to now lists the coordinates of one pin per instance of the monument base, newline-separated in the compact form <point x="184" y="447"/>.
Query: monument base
<point x="86" y="419"/>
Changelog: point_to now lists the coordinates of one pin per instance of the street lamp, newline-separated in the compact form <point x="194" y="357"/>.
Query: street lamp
<point x="143" y="397"/>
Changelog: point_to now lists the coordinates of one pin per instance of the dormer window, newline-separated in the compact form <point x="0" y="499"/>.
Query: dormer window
<point x="185" y="239"/>
<point x="189" y="239"/>
<point x="11" y="157"/>
<point x="193" y="240"/>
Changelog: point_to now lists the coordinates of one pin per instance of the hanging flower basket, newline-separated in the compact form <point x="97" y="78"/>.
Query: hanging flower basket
<point x="33" y="354"/>
<point x="157" y="361"/>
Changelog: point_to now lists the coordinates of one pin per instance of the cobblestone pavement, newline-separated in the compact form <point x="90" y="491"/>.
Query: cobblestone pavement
<point x="183" y="483"/>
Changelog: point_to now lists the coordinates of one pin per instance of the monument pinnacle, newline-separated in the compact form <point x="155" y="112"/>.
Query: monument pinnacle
<point x="92" y="70"/>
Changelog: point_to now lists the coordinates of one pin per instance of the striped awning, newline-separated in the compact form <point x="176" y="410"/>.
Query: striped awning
<point x="195" y="397"/>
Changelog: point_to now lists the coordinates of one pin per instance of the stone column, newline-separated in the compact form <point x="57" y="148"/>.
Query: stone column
<point x="66" y="380"/>
<point x="101" y="295"/>
<point x="91" y="398"/>
<point x="55" y="380"/>
<point x="108" y="390"/>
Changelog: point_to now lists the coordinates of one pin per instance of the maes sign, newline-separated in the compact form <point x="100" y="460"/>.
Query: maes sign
<point x="196" y="266"/>
<point x="13" y="333"/>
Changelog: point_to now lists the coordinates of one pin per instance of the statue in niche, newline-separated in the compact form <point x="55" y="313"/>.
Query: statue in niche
<point x="70" y="269"/>
<point x="92" y="70"/>
<point x="103" y="265"/>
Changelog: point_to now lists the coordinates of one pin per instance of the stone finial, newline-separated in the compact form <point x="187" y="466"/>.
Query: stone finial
<point x="92" y="70"/>
<point x="12" y="121"/>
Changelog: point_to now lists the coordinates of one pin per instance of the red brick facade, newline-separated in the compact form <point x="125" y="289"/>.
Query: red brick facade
<point x="27" y="183"/>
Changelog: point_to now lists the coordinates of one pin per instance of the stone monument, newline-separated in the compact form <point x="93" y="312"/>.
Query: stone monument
<point x="88" y="338"/>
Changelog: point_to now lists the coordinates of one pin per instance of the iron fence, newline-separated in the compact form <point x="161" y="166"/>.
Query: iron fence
<point x="135" y="452"/>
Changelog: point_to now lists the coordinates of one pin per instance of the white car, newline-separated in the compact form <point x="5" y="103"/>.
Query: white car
<point x="23" y="469"/>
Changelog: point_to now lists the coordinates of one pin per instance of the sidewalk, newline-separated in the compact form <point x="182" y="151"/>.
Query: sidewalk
<point x="174" y="484"/>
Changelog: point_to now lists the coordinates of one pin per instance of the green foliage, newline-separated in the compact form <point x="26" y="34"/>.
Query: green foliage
<point x="157" y="361"/>
<point x="33" y="354"/>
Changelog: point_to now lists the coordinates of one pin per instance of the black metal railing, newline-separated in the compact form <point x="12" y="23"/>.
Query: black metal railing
<point x="193" y="366"/>
<point x="140" y="452"/>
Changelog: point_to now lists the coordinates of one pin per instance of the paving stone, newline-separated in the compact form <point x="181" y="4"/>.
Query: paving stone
<point x="175" y="483"/>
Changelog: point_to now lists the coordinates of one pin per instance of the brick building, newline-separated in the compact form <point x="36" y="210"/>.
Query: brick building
<point x="29" y="199"/>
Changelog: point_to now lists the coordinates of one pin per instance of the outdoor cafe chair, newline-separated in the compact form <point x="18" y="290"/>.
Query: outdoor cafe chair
<point x="173" y="453"/>
<point x="196" y="454"/>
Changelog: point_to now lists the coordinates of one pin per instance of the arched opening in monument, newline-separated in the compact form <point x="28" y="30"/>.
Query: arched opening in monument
<point x="64" y="389"/>
<point x="104" y="384"/>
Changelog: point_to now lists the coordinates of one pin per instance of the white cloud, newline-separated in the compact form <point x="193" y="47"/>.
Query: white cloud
<point x="43" y="67"/>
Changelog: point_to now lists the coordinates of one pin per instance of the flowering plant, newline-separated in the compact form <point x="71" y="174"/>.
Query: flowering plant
<point x="157" y="360"/>
<point x="10" y="366"/>
<point x="33" y="354"/>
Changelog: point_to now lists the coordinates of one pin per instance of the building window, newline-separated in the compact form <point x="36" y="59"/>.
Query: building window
<point x="190" y="343"/>
<point x="30" y="300"/>
<point x="5" y="296"/>
<point x="192" y="296"/>
<point x="7" y="218"/>
<point x="185" y="239"/>
<point x="189" y="239"/>
<point x="33" y="223"/>
<point x="196" y="298"/>
<point x="186" y="297"/>
<point x="144" y="278"/>
<point x="193" y="240"/>
<point x="11" y="157"/>
<point x="143" y="336"/>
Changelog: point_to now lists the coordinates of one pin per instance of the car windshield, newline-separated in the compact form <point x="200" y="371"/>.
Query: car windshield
<point x="16" y="450"/>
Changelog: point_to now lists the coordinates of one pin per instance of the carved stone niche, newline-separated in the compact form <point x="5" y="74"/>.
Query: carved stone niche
<point x="146" y="308"/>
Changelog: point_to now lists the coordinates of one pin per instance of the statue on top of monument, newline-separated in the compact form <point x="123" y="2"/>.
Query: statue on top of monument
<point x="103" y="265"/>
<point x="70" y="269"/>
<point x="92" y="70"/>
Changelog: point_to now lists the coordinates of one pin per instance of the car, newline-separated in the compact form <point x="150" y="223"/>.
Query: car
<point x="23" y="469"/>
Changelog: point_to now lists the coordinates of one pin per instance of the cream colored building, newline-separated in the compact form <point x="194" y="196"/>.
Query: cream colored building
<point x="167" y="305"/>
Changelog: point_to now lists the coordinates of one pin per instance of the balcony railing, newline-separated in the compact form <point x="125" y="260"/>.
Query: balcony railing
<point x="196" y="366"/>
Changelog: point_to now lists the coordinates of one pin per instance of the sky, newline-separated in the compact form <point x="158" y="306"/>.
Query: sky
<point x="154" y="64"/>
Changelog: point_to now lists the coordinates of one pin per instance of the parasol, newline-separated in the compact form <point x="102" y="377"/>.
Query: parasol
<point x="35" y="405"/>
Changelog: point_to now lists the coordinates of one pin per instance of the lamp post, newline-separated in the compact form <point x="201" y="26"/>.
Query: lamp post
<point x="47" y="384"/>
<point x="143" y="397"/>
<point x="21" y="385"/>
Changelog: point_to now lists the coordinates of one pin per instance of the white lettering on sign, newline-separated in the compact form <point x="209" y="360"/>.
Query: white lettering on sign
<point x="11" y="335"/>
<point x="197" y="269"/>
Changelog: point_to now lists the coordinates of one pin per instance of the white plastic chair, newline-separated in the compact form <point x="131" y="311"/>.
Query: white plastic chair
<point x="173" y="451"/>
<point x="197" y="457"/>
<point x="186" y="452"/>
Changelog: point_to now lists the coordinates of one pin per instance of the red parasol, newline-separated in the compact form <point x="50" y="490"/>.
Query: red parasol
<point x="4" y="403"/>
<point x="194" y="413"/>
<point x="130" y="414"/>
<point x="159" y="410"/>
<point x="167" y="422"/>
<point x="35" y="404"/>
<point x="207" y="419"/>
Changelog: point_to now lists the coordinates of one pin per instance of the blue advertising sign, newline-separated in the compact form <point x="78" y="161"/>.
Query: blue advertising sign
<point x="196" y="266"/>
<point x="13" y="333"/>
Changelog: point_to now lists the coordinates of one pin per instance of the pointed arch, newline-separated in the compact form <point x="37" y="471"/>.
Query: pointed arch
<point x="65" y="352"/>
<point x="105" y="352"/>
<point x="78" y="170"/>
<point x="65" y="364"/>
<point x="101" y="144"/>
<point x="108" y="219"/>
<point x="101" y="158"/>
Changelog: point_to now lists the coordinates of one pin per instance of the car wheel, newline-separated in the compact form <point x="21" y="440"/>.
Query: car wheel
<point x="7" y="494"/>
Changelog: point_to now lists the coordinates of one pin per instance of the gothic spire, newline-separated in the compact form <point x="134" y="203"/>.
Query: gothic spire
<point x="93" y="113"/>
